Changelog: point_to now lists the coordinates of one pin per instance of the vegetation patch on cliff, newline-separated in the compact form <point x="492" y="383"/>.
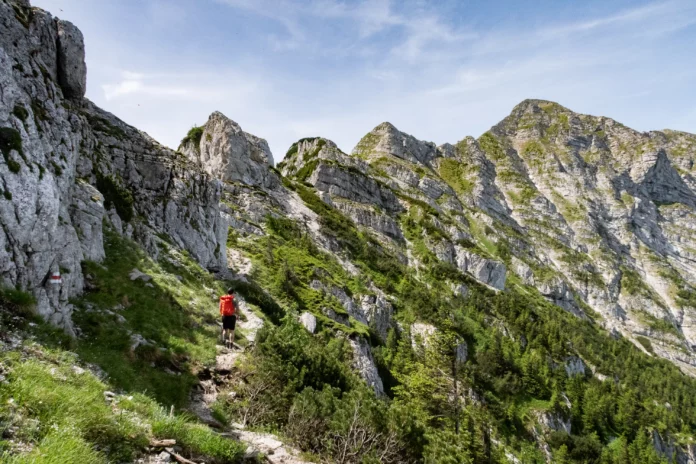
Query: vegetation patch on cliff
<point x="194" y="136"/>
<point x="10" y="140"/>
<point x="115" y="195"/>
<point x="455" y="174"/>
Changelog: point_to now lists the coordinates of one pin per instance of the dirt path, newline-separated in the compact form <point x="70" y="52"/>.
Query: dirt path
<point x="274" y="450"/>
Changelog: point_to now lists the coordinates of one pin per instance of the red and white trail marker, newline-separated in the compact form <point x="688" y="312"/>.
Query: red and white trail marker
<point x="56" y="279"/>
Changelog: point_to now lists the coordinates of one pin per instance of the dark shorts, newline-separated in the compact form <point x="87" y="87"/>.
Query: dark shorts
<point x="228" y="322"/>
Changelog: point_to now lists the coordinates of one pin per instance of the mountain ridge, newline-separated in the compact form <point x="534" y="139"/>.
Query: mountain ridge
<point x="507" y="298"/>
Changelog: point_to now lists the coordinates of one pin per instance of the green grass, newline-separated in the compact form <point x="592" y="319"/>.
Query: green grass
<point x="21" y="112"/>
<point x="571" y="211"/>
<point x="490" y="144"/>
<point x="61" y="446"/>
<point x="48" y="390"/>
<point x="179" y="316"/>
<point x="17" y="298"/>
<point x="632" y="283"/>
<point x="62" y="411"/>
<point x="646" y="343"/>
<point x="286" y="262"/>
<point x="661" y="325"/>
<point x="23" y="14"/>
<point x="366" y="145"/>
<point x="103" y="125"/>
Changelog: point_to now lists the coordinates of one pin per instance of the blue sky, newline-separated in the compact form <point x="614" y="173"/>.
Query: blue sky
<point x="439" y="70"/>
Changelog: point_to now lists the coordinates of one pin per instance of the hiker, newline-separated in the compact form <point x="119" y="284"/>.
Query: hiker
<point x="229" y="317"/>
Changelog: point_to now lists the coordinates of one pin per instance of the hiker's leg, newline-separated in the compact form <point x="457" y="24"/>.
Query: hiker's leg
<point x="232" y="337"/>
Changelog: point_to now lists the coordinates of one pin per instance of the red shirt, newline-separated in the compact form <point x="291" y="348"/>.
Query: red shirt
<point x="227" y="305"/>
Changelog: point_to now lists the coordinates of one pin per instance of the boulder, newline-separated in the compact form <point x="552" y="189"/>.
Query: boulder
<point x="309" y="321"/>
<point x="135" y="274"/>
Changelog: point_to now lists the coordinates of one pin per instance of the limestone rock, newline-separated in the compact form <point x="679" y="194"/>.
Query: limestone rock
<point x="340" y="318"/>
<point x="462" y="352"/>
<point x="378" y="311"/>
<point x="353" y="186"/>
<point x="87" y="213"/>
<point x="135" y="274"/>
<point x="364" y="363"/>
<point x="574" y="366"/>
<point x="65" y="157"/>
<point x="387" y="140"/>
<point x="366" y="216"/>
<point x="309" y="321"/>
<point x="421" y="334"/>
<point x="228" y="153"/>
<point x="72" y="70"/>
<point x="554" y="421"/>
<point x="485" y="270"/>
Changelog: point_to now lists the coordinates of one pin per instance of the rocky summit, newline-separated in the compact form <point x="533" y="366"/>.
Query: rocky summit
<point x="525" y="296"/>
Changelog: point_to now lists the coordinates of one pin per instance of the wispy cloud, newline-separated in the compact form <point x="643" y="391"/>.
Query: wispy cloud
<point x="419" y="27"/>
<point x="183" y="85"/>
<point x="130" y="86"/>
<point x="658" y="14"/>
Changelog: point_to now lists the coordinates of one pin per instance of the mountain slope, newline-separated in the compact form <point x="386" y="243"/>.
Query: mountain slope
<point x="502" y="299"/>
<point x="590" y="213"/>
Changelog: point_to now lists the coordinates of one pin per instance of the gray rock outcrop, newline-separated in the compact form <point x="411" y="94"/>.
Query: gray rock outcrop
<point x="364" y="363"/>
<point x="225" y="151"/>
<point x="309" y="321"/>
<point x="68" y="166"/>
<point x="72" y="70"/>
<point x="485" y="270"/>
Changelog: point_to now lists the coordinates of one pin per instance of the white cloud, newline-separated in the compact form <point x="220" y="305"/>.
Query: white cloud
<point x="130" y="87"/>
<point x="653" y="13"/>
<point x="198" y="87"/>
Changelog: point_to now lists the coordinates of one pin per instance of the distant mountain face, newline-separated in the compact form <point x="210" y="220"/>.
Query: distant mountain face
<point x="597" y="217"/>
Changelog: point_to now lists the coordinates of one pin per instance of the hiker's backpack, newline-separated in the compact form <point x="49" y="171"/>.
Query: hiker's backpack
<point x="227" y="305"/>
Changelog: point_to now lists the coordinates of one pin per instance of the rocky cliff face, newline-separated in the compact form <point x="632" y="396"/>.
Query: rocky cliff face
<point x="69" y="167"/>
<point x="598" y="201"/>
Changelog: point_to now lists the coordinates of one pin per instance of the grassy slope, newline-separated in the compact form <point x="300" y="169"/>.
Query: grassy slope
<point x="179" y="316"/>
<point x="61" y="412"/>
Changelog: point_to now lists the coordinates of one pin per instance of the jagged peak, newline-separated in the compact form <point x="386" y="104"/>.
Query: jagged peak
<point x="386" y="140"/>
<point x="306" y="151"/>
<point x="224" y="150"/>
<point x="309" y="147"/>
<point x="386" y="126"/>
<point x="219" y="123"/>
<point x="535" y="104"/>
<point x="219" y="116"/>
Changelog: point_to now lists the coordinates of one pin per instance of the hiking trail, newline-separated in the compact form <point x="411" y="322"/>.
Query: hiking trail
<point x="211" y="382"/>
